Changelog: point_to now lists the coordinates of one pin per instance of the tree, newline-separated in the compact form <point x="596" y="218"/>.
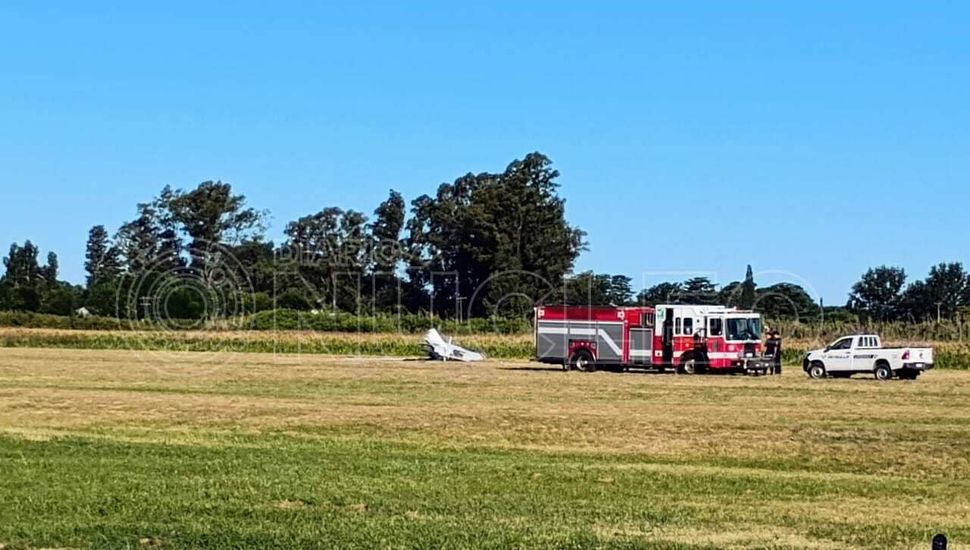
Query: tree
<point x="662" y="293"/>
<point x="916" y="303"/>
<point x="785" y="300"/>
<point x="699" y="290"/>
<point x="6" y="296"/>
<point x="22" y="269"/>
<point x="102" y="259"/>
<point x="386" y="229"/>
<point x="730" y="294"/>
<point x="255" y="261"/>
<point x="330" y="249"/>
<point x="151" y="253"/>
<point x="940" y="295"/>
<point x="49" y="272"/>
<point x="102" y="298"/>
<point x="211" y="213"/>
<point x="61" y="299"/>
<point x="26" y="282"/>
<point x="747" y="290"/>
<point x="879" y="293"/>
<point x="620" y="291"/>
<point x="149" y="242"/>
<point x="387" y="250"/>
<point x="494" y="237"/>
<point x="588" y="289"/>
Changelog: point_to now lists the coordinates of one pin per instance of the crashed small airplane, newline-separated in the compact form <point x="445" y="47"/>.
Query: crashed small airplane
<point x="441" y="349"/>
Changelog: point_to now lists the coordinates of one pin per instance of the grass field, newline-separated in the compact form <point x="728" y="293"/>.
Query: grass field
<point x="124" y="449"/>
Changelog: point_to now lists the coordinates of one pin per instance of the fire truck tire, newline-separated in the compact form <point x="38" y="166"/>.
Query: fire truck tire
<point x="582" y="360"/>
<point x="816" y="370"/>
<point x="690" y="366"/>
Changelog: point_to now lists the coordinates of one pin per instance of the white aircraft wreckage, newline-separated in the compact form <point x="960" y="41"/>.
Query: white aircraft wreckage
<point x="440" y="348"/>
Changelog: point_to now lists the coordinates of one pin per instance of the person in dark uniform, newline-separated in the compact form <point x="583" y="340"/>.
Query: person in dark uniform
<point x="773" y="351"/>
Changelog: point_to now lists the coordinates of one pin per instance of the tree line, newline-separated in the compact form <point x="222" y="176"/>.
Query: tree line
<point x="781" y="300"/>
<point x="883" y="294"/>
<point x="485" y="244"/>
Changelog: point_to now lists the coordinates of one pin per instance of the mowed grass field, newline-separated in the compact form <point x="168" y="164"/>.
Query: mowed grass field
<point x="139" y="449"/>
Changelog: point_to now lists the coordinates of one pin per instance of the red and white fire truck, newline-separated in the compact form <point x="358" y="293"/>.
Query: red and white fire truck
<point x="688" y="338"/>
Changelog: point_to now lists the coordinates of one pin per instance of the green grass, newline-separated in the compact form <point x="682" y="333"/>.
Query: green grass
<point x="279" y="492"/>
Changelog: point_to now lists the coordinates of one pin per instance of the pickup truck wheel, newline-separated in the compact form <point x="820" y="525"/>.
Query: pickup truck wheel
<point x="816" y="370"/>
<point x="883" y="372"/>
<point x="582" y="360"/>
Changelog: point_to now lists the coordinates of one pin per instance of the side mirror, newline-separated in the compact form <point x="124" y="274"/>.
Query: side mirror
<point x="828" y="348"/>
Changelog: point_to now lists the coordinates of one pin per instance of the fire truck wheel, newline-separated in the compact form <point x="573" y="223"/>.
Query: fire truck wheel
<point x="582" y="360"/>
<point x="816" y="370"/>
<point x="690" y="367"/>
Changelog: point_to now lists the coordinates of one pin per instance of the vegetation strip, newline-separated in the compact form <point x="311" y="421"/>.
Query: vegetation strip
<point x="949" y="355"/>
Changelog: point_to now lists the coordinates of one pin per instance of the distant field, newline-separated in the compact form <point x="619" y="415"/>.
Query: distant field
<point x="120" y="449"/>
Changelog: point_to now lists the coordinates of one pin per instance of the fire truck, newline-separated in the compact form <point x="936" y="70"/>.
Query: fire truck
<point x="687" y="338"/>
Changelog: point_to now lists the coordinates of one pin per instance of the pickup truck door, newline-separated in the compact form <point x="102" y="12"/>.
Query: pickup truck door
<point x="838" y="358"/>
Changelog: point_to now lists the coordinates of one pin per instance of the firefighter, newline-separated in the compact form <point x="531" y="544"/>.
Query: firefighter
<point x="773" y="351"/>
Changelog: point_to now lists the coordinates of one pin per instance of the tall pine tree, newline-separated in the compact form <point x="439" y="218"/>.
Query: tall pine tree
<point x="748" y="290"/>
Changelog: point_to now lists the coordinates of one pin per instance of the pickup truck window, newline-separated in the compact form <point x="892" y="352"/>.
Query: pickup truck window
<point x="844" y="343"/>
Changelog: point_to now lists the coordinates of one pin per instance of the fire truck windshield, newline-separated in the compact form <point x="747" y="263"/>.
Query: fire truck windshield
<point x="744" y="329"/>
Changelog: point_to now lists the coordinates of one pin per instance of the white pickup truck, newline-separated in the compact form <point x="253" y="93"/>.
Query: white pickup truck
<point x="864" y="353"/>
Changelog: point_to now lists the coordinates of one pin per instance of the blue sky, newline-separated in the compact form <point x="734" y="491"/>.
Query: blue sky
<point x="809" y="140"/>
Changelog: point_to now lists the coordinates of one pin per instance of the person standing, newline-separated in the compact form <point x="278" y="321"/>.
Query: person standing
<point x="773" y="351"/>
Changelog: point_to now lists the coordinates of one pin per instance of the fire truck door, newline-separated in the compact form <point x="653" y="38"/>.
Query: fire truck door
<point x="668" y="337"/>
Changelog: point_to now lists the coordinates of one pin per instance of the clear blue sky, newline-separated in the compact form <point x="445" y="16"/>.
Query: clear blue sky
<point x="815" y="140"/>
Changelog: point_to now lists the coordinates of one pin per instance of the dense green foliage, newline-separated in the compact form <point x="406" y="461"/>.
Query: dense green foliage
<point x="882" y="294"/>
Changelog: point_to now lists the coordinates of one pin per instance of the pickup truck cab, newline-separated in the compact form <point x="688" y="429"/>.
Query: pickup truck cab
<point x="863" y="353"/>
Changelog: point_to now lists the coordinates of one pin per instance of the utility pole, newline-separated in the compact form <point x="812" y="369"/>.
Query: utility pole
<point x="938" y="304"/>
<point x="146" y="304"/>
<point x="458" y="301"/>
<point x="821" y="307"/>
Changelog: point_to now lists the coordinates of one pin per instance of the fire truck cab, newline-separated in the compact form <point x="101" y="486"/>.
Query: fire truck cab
<point x="688" y="338"/>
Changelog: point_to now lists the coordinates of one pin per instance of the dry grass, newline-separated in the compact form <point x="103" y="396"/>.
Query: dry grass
<point x="786" y="431"/>
<point x="495" y="404"/>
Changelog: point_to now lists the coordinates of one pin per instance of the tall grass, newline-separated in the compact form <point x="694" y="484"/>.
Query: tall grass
<point x="944" y="331"/>
<point x="335" y="343"/>
<point x="291" y="320"/>
<point x="276" y="320"/>
<point x="949" y="355"/>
